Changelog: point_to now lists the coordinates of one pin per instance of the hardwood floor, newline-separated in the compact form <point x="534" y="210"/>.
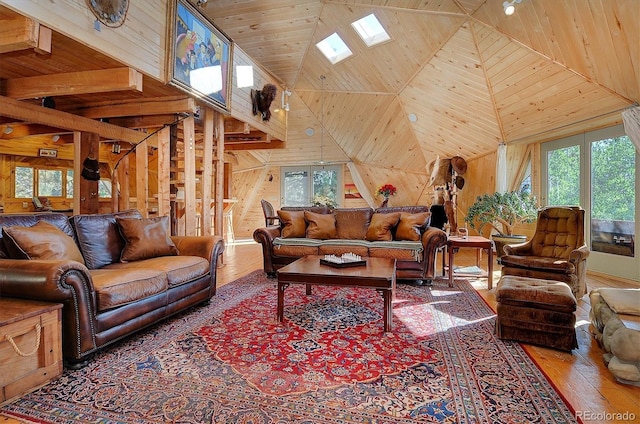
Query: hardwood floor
<point x="580" y="376"/>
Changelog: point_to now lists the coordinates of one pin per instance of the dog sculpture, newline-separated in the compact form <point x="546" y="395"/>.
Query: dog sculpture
<point x="261" y="100"/>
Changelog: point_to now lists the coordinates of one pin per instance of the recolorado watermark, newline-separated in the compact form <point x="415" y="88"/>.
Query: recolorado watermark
<point x="605" y="416"/>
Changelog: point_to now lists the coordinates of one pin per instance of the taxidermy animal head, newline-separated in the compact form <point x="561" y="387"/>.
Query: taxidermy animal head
<point x="261" y="100"/>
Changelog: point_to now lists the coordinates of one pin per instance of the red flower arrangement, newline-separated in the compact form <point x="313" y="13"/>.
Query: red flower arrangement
<point x="387" y="190"/>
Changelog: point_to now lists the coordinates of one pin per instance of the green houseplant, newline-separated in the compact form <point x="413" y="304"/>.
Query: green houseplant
<point x="502" y="212"/>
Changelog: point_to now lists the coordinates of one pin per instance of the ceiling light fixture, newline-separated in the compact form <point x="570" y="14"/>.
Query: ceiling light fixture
<point x="55" y="137"/>
<point x="509" y="7"/>
<point x="8" y="129"/>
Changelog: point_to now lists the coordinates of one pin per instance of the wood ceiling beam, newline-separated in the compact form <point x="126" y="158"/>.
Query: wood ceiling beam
<point x="152" y="121"/>
<point x="140" y="107"/>
<point x="97" y="81"/>
<point x="23" y="33"/>
<point x="249" y="145"/>
<point x="40" y="115"/>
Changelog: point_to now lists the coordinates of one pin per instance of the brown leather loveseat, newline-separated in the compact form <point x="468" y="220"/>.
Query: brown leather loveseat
<point x="401" y="233"/>
<point x="114" y="273"/>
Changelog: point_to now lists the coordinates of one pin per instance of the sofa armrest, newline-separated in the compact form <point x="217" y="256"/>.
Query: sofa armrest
<point x="56" y="281"/>
<point x="432" y="239"/>
<point x="207" y="247"/>
<point x="265" y="237"/>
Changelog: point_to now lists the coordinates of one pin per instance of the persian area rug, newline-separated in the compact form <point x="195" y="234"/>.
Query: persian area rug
<point x="329" y="362"/>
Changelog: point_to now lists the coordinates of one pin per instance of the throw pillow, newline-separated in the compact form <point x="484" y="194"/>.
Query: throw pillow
<point x="352" y="223"/>
<point x="40" y="241"/>
<point x="293" y="223"/>
<point x="145" y="238"/>
<point x="321" y="226"/>
<point x="411" y="225"/>
<point x="381" y="225"/>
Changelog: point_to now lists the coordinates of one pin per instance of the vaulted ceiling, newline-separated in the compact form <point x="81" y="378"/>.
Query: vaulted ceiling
<point x="472" y="76"/>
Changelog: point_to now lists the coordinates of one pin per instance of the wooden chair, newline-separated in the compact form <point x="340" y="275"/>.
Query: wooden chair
<point x="270" y="217"/>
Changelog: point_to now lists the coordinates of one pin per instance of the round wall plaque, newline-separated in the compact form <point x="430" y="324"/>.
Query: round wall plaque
<point x="112" y="13"/>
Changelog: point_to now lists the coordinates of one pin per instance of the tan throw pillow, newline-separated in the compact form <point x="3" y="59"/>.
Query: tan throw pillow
<point x="41" y="241"/>
<point x="381" y="225"/>
<point x="411" y="225"/>
<point x="321" y="226"/>
<point x="145" y="238"/>
<point x="352" y="223"/>
<point x="293" y="223"/>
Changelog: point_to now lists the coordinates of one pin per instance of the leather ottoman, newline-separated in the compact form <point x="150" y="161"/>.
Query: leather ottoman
<point x="535" y="311"/>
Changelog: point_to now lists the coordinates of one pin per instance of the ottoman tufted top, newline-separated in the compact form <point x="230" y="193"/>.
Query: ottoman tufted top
<point x="535" y="293"/>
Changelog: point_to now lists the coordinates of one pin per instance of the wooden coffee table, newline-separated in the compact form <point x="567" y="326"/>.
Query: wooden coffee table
<point x="378" y="274"/>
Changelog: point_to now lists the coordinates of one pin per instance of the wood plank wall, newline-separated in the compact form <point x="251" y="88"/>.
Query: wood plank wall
<point x="139" y="42"/>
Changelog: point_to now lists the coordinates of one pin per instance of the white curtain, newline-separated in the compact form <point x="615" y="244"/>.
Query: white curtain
<point x="631" y="119"/>
<point x="501" y="169"/>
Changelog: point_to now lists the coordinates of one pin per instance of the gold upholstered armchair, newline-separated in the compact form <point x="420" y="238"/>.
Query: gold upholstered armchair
<point x="557" y="251"/>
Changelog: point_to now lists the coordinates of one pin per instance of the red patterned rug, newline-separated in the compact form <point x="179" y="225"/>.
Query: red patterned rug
<point x="330" y="362"/>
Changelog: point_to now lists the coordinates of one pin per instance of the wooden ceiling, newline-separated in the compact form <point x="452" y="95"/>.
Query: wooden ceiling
<point x="472" y="76"/>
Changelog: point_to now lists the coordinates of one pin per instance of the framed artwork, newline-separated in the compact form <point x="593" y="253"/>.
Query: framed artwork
<point x="199" y="56"/>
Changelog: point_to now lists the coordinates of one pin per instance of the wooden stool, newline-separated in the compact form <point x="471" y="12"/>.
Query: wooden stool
<point x="540" y="312"/>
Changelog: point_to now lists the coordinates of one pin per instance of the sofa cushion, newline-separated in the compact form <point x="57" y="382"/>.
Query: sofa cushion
<point x="411" y="225"/>
<point x="178" y="270"/>
<point x="293" y="223"/>
<point x="117" y="287"/>
<point x="27" y="220"/>
<point x="352" y="223"/>
<point x="145" y="238"/>
<point x="40" y="241"/>
<point x="320" y="226"/>
<point x="381" y="225"/>
<point x="540" y="263"/>
<point x="99" y="237"/>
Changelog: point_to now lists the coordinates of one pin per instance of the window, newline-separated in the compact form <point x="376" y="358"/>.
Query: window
<point x="597" y="170"/>
<point x="104" y="188"/>
<point x="334" y="49"/>
<point x="45" y="182"/>
<point x="24" y="182"/>
<point x="312" y="185"/>
<point x="370" y="30"/>
<point x="50" y="183"/>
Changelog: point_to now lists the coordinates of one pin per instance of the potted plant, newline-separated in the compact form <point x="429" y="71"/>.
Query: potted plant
<point x="502" y="212"/>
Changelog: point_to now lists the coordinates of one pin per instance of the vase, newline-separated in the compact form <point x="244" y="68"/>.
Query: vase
<point x="384" y="203"/>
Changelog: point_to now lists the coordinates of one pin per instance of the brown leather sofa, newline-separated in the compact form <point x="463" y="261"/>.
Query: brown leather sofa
<point x="409" y="238"/>
<point x="110" y="285"/>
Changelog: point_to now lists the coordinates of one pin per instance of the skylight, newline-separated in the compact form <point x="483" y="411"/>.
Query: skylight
<point x="370" y="30"/>
<point x="334" y="49"/>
